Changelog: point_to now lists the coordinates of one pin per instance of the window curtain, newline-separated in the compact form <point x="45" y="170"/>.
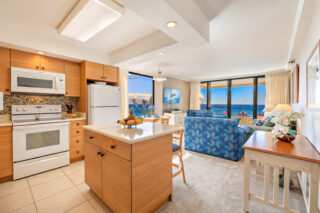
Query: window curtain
<point x="278" y="88"/>
<point x="195" y="95"/>
<point x="124" y="93"/>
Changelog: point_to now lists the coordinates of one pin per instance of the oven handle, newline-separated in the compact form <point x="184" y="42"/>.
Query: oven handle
<point x="40" y="126"/>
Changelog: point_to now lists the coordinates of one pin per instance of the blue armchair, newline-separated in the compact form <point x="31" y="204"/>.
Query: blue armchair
<point x="219" y="137"/>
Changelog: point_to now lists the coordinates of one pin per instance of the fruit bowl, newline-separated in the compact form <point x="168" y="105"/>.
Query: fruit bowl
<point x="129" y="123"/>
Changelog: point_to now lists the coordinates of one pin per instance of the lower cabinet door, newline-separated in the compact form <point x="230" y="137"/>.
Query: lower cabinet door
<point x="116" y="182"/>
<point x="93" y="168"/>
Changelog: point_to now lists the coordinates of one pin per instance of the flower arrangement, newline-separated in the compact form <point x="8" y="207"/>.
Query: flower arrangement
<point x="283" y="121"/>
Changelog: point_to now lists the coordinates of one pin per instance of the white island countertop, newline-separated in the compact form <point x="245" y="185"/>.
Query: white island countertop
<point x="142" y="132"/>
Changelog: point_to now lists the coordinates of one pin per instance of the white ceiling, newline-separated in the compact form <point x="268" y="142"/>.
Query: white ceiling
<point x="213" y="38"/>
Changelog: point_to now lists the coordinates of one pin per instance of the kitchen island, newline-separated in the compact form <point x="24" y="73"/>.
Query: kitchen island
<point x="130" y="170"/>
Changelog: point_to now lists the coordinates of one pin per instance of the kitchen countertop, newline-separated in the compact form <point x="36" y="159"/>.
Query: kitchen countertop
<point x="80" y="116"/>
<point x="5" y="120"/>
<point x="142" y="132"/>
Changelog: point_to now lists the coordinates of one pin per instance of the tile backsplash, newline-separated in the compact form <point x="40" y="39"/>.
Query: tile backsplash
<point x="23" y="99"/>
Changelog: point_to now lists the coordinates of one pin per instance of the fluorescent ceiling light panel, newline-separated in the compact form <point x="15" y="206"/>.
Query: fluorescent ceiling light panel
<point x="90" y="17"/>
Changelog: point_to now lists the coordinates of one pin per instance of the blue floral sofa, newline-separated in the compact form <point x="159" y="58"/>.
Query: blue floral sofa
<point x="220" y="137"/>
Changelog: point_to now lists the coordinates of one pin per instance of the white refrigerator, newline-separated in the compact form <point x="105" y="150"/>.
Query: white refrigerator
<point x="103" y="104"/>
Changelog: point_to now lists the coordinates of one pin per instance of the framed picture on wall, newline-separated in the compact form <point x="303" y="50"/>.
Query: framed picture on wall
<point x="295" y="85"/>
<point x="313" y="79"/>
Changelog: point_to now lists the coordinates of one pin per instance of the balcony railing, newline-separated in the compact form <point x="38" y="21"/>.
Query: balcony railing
<point x="244" y="112"/>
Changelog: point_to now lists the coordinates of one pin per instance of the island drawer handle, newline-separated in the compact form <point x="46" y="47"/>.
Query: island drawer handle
<point x="90" y="137"/>
<point x="78" y="124"/>
<point x="113" y="146"/>
<point x="78" y="132"/>
<point x="102" y="155"/>
<point x="77" y="141"/>
<point x="99" y="153"/>
<point x="78" y="152"/>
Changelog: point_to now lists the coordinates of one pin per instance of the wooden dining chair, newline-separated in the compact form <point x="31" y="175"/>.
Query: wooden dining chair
<point x="177" y="150"/>
<point x="165" y="120"/>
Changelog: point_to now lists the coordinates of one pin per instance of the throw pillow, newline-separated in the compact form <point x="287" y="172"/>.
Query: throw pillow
<point x="268" y="122"/>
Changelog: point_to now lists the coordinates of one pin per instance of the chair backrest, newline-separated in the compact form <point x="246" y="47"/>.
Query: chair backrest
<point x="180" y="137"/>
<point x="165" y="120"/>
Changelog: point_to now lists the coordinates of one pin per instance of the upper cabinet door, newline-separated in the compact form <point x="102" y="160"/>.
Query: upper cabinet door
<point x="94" y="71"/>
<point x="72" y="71"/>
<point x="5" y="79"/>
<point x="50" y="64"/>
<point x="25" y="60"/>
<point x="111" y="74"/>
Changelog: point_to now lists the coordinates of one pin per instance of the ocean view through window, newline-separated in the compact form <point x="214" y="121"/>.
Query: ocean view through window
<point x="242" y="97"/>
<point x="140" y="93"/>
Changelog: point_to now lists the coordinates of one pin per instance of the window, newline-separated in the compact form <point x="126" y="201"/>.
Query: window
<point x="140" y="93"/>
<point x="204" y="93"/>
<point x="219" y="97"/>
<point x="242" y="98"/>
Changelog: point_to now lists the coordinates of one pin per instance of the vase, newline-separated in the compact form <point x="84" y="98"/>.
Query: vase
<point x="286" y="138"/>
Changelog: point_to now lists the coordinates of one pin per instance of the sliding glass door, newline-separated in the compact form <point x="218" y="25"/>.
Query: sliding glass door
<point x="242" y="98"/>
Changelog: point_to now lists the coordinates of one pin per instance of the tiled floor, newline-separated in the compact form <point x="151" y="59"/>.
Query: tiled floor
<point x="213" y="185"/>
<point x="59" y="190"/>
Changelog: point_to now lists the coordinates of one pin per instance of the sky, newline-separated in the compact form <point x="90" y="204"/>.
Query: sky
<point x="139" y="84"/>
<point x="240" y="95"/>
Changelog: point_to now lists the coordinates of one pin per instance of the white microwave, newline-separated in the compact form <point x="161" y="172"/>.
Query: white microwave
<point x="37" y="82"/>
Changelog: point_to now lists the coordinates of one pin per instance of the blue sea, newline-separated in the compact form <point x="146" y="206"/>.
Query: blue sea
<point x="236" y="109"/>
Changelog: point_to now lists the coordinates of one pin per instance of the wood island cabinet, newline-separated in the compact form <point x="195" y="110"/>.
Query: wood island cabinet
<point x="72" y="72"/>
<point x="5" y="75"/>
<point x="36" y="62"/>
<point x="129" y="177"/>
<point x="5" y="152"/>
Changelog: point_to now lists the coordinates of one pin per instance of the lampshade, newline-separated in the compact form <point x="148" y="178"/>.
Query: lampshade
<point x="268" y="108"/>
<point x="281" y="108"/>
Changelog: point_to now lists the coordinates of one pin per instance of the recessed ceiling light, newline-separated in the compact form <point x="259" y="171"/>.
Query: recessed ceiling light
<point x="40" y="53"/>
<point x="171" y="24"/>
<point x="161" y="53"/>
<point x="90" y="17"/>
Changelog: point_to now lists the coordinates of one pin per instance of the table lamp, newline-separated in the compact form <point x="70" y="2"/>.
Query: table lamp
<point x="280" y="108"/>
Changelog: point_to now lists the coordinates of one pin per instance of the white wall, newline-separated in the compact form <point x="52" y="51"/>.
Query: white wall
<point x="183" y="86"/>
<point x="310" y="124"/>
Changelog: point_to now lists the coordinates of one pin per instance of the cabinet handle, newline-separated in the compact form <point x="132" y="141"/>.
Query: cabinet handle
<point x="113" y="146"/>
<point x="7" y="90"/>
<point x="102" y="77"/>
<point x="102" y="154"/>
<point x="91" y="137"/>
<point x="42" y="68"/>
<point x="37" y="67"/>
<point x="67" y="93"/>
<point x="99" y="153"/>
<point x="78" y="124"/>
<point x="78" y="152"/>
<point x="78" y="132"/>
<point x="77" y="141"/>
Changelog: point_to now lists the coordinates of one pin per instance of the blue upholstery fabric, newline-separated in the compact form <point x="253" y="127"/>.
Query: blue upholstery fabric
<point x="175" y="147"/>
<point x="204" y="113"/>
<point x="215" y="136"/>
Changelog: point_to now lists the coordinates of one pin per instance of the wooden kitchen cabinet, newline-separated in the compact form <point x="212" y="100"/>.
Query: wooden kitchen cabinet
<point x="93" y="167"/>
<point x="116" y="172"/>
<point x="50" y="64"/>
<point x="5" y="74"/>
<point x="129" y="177"/>
<point x="72" y="72"/>
<point x="94" y="71"/>
<point x="76" y="140"/>
<point x="6" y="152"/>
<point x="36" y="62"/>
<point x="25" y="60"/>
<point x="110" y="73"/>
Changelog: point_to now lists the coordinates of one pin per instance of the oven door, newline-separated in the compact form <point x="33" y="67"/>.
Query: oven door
<point x="33" y="81"/>
<point x="32" y="141"/>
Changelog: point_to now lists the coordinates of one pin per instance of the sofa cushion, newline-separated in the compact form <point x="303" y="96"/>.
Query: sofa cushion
<point x="175" y="147"/>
